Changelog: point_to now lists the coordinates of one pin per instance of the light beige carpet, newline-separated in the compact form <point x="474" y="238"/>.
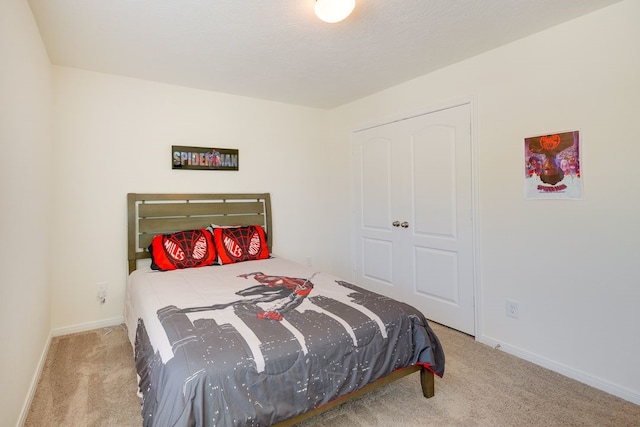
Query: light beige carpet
<point x="89" y="380"/>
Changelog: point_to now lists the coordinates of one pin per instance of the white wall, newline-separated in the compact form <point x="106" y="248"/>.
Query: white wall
<point x="25" y="110"/>
<point x="113" y="135"/>
<point x="572" y="265"/>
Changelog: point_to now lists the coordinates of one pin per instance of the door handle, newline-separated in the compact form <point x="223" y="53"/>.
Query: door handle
<point x="396" y="223"/>
<point x="404" y="224"/>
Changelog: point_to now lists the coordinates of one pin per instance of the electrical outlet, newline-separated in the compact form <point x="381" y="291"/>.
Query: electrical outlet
<point x="513" y="309"/>
<point x="309" y="261"/>
<point x="101" y="291"/>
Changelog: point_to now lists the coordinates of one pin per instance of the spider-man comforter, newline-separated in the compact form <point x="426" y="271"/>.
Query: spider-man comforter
<point x="258" y="342"/>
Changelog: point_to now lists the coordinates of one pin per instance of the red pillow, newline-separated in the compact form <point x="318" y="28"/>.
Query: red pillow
<point x="184" y="249"/>
<point x="240" y="244"/>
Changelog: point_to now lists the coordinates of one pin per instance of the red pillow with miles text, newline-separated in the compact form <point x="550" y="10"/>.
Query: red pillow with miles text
<point x="183" y="249"/>
<point x="240" y="244"/>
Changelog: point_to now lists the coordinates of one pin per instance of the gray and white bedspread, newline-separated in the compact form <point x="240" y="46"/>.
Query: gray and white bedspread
<point x="258" y="342"/>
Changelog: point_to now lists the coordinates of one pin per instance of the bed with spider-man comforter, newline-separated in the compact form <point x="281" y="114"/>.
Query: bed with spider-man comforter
<point x="259" y="342"/>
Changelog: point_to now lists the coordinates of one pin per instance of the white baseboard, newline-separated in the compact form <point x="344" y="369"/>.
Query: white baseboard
<point x="583" y="377"/>
<point x="34" y="383"/>
<point x="106" y="323"/>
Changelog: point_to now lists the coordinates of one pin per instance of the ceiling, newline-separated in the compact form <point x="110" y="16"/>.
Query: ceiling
<point x="278" y="50"/>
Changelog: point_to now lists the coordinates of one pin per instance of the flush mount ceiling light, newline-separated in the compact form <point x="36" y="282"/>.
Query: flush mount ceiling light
<point x="333" y="11"/>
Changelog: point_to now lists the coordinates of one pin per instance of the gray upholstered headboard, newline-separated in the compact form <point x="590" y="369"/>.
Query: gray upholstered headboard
<point x="152" y="214"/>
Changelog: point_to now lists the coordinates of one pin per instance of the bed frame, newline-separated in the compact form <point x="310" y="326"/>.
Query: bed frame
<point x="152" y="214"/>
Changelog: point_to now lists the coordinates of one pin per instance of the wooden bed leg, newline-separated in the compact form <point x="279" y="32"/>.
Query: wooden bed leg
<point x="427" y="381"/>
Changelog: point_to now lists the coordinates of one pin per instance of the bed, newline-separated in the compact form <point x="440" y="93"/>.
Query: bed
<point x="254" y="340"/>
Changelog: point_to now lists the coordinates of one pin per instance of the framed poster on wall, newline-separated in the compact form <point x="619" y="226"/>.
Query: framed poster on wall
<point x="203" y="158"/>
<point x="552" y="166"/>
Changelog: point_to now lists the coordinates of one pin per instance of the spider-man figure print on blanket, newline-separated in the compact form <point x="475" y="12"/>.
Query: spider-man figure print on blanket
<point x="288" y="291"/>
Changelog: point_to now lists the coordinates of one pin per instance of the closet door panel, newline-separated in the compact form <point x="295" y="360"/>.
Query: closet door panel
<point x="377" y="256"/>
<point x="376" y="184"/>
<point x="374" y="245"/>
<point x="434" y="177"/>
<point x="440" y="267"/>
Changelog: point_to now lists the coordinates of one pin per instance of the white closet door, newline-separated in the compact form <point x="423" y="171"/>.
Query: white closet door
<point x="413" y="214"/>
